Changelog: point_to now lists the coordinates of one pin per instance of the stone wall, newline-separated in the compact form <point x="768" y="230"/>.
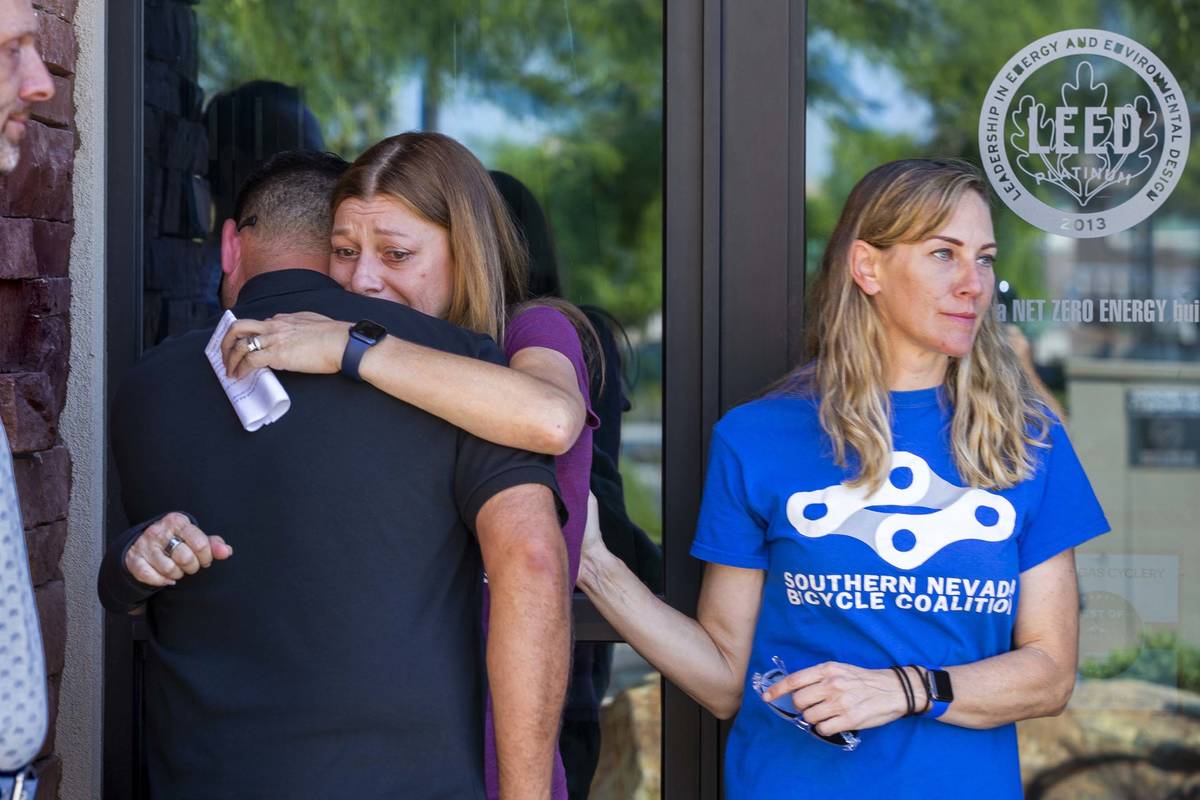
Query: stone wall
<point x="35" y="293"/>
<point x="179" y="286"/>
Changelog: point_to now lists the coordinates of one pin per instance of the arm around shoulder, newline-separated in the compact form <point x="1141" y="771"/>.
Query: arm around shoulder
<point x="560" y="411"/>
<point x="526" y="405"/>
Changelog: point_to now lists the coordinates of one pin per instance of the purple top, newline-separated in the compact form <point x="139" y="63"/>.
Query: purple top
<point x="543" y="326"/>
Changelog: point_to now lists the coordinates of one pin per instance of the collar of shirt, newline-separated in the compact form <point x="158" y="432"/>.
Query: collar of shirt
<point x="284" y="281"/>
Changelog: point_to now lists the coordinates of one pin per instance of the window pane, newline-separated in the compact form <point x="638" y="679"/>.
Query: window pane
<point x="631" y="722"/>
<point x="903" y="78"/>
<point x="565" y="96"/>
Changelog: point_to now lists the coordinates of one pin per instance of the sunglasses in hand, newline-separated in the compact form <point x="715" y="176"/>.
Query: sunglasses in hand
<point x="783" y="707"/>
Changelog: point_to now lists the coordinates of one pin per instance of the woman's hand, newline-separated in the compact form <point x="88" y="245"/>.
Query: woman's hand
<point x="593" y="552"/>
<point x="593" y="540"/>
<point x="303" y="342"/>
<point x="835" y="697"/>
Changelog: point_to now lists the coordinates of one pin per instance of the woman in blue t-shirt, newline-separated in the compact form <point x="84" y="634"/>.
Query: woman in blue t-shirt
<point x="889" y="531"/>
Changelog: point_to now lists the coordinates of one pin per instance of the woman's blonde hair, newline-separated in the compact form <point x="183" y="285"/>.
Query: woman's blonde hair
<point x="998" y="416"/>
<point x="441" y="181"/>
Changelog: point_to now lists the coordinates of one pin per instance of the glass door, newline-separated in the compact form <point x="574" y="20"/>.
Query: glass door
<point x="1080" y="113"/>
<point x="564" y="102"/>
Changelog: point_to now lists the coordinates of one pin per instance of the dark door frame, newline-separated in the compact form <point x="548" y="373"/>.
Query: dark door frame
<point x="733" y="237"/>
<point x="733" y="274"/>
<point x="123" y="345"/>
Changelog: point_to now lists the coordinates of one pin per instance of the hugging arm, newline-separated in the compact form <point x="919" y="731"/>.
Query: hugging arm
<point x="529" y="639"/>
<point x="535" y="404"/>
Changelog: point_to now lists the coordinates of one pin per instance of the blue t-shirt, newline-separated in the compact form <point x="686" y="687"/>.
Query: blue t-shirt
<point x="925" y="571"/>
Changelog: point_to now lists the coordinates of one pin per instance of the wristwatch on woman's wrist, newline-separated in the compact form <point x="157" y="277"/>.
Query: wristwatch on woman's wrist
<point x="941" y="692"/>
<point x="363" y="336"/>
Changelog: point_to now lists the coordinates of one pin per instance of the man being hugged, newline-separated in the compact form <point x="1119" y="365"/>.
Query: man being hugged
<point x="336" y="653"/>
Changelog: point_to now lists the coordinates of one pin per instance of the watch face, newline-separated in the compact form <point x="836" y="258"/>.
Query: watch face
<point x="940" y="683"/>
<point x="371" y="331"/>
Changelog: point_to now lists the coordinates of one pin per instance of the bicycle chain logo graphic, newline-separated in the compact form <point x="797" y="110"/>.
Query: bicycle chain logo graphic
<point x="1095" y="157"/>
<point x="941" y="513"/>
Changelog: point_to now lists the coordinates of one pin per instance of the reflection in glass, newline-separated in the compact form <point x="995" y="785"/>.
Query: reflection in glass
<point x="566" y="97"/>
<point x="904" y="78"/>
<point x="562" y="100"/>
<point x="630" y="759"/>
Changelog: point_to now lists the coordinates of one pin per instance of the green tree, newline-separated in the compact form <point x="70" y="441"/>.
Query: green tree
<point x="590" y="73"/>
<point x="946" y="53"/>
<point x="1160" y="656"/>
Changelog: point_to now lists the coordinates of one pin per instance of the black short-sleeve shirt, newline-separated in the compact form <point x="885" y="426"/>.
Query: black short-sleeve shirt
<point x="337" y="652"/>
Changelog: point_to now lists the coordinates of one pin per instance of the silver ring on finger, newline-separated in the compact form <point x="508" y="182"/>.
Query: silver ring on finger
<point x="170" y="547"/>
<point x="254" y="344"/>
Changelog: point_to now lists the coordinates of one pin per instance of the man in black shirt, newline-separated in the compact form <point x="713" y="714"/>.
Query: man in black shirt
<point x="337" y="652"/>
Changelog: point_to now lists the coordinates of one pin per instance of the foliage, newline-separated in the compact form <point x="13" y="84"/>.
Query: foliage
<point x="946" y="52"/>
<point x="856" y="147"/>
<point x="643" y="504"/>
<point x="588" y="73"/>
<point x="1161" y="657"/>
<point x="318" y="47"/>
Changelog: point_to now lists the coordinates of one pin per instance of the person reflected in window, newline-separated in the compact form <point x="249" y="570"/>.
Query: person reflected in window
<point x="247" y="125"/>
<point x="889" y="530"/>
<point x="417" y="220"/>
<point x="1040" y="378"/>
<point x="591" y="662"/>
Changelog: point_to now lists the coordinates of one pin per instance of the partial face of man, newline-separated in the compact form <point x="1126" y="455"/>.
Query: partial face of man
<point x="23" y="77"/>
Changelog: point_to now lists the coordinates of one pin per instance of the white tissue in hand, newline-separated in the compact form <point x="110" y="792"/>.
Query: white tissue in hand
<point x="259" y="398"/>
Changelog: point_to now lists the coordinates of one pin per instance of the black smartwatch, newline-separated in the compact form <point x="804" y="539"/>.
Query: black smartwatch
<point x="941" y="693"/>
<point x="363" y="336"/>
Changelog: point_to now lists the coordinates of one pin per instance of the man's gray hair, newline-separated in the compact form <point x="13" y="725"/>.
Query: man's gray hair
<point x="287" y="198"/>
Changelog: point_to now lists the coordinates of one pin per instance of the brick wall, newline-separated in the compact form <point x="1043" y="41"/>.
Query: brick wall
<point x="179" y="284"/>
<point x="35" y="297"/>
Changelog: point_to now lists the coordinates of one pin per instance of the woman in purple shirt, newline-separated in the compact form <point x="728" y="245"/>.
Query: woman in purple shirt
<point x="417" y="220"/>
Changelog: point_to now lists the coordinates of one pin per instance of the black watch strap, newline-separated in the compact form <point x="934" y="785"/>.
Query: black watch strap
<point x="363" y="336"/>
<point x="355" y="349"/>
<point x="941" y="693"/>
